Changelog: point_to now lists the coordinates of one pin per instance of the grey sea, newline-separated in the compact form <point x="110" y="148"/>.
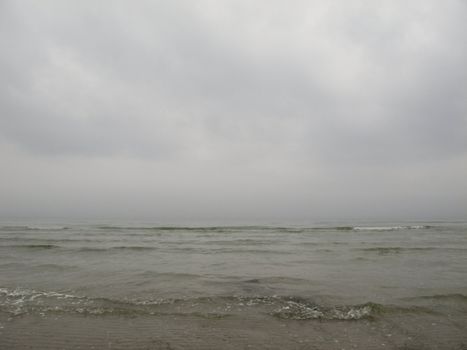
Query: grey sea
<point x="88" y="285"/>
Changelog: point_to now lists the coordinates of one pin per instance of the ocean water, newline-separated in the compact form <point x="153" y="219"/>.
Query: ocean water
<point x="144" y="286"/>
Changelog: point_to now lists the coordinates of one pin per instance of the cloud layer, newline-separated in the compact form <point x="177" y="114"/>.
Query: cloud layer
<point x="268" y="109"/>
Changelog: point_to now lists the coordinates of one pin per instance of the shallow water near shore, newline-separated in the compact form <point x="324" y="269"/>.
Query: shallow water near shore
<point x="70" y="285"/>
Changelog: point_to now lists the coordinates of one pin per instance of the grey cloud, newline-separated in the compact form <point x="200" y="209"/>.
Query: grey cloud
<point x="308" y="86"/>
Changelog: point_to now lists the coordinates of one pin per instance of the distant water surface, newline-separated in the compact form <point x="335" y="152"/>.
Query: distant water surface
<point x="376" y="278"/>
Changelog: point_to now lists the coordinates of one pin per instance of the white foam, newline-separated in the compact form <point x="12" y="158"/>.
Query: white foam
<point x="388" y="228"/>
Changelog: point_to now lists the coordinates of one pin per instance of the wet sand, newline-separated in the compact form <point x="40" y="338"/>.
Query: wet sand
<point x="191" y="332"/>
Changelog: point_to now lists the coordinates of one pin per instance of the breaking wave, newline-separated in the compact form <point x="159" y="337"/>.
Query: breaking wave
<point x="263" y="228"/>
<point x="209" y="229"/>
<point x="301" y="311"/>
<point x="390" y="228"/>
<point x="19" y="301"/>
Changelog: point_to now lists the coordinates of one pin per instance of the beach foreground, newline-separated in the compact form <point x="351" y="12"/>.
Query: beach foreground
<point x="192" y="332"/>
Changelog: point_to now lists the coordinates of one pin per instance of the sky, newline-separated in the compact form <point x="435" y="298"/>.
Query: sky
<point x="246" y="110"/>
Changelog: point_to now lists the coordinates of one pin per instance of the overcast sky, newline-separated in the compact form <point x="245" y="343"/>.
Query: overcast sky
<point x="273" y="110"/>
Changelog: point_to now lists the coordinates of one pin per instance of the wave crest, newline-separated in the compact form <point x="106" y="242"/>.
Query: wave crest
<point x="28" y="301"/>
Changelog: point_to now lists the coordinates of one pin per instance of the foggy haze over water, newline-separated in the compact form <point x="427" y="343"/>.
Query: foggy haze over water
<point x="263" y="110"/>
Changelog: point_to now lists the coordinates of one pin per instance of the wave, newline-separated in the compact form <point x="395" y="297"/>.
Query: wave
<point x="28" y="301"/>
<point x="223" y="250"/>
<point x="137" y="248"/>
<point x="390" y="228"/>
<point x="44" y="240"/>
<point x="263" y="228"/>
<point x="222" y="228"/>
<point x="232" y="249"/>
<point x="393" y="250"/>
<point x="398" y="250"/>
<point x="455" y="297"/>
<point x="200" y="250"/>
<point x="216" y="229"/>
<point x="119" y="248"/>
<point x="33" y="246"/>
<point x="244" y="241"/>
<point x="182" y="228"/>
<point x="277" y="279"/>
<point x="79" y="249"/>
<point x="300" y="311"/>
<point x="32" y="228"/>
<point x="333" y="228"/>
<point x="34" y="240"/>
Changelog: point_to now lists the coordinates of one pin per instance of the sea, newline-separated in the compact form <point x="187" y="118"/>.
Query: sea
<point x="139" y="285"/>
